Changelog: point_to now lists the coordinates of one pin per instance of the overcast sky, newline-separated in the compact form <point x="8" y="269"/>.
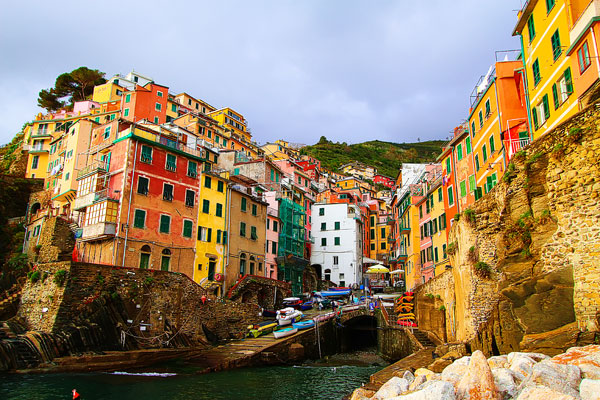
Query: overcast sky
<point x="346" y="69"/>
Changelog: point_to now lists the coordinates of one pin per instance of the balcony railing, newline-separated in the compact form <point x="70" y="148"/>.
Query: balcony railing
<point x="516" y="145"/>
<point x="96" y="166"/>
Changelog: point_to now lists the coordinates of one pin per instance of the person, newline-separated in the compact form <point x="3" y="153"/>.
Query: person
<point x="76" y="395"/>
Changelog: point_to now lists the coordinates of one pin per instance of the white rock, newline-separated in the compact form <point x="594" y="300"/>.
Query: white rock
<point x="478" y="381"/>
<point x="361" y="394"/>
<point x="408" y="376"/>
<point x="537" y="357"/>
<point x="498" y="362"/>
<point x="506" y="382"/>
<point x="590" y="389"/>
<point x="391" y="388"/>
<point x="417" y="382"/>
<point x="438" y="390"/>
<point x="521" y="364"/>
<point x="558" y="377"/>
<point x="587" y="358"/>
<point x="543" y="393"/>
<point x="424" y="371"/>
<point x="453" y="372"/>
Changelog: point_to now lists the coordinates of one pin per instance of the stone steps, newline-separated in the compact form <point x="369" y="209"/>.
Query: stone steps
<point x="423" y="338"/>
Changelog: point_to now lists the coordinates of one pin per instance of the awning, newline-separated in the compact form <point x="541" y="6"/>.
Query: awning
<point x="397" y="271"/>
<point x="367" y="260"/>
<point x="377" y="269"/>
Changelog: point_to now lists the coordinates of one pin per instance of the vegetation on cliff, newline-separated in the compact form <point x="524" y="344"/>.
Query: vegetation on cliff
<point x="70" y="87"/>
<point x="387" y="157"/>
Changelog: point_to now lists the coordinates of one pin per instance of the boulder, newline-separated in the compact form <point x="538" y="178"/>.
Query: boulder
<point x="543" y="393"/>
<point x="453" y="372"/>
<point x="498" y="362"/>
<point x="521" y="364"/>
<point x="391" y="388"/>
<point x="537" y="357"/>
<point x="424" y="371"/>
<point x="417" y="382"/>
<point x="506" y="382"/>
<point x="589" y="389"/>
<point x="478" y="381"/>
<point x="409" y="376"/>
<point x="452" y="355"/>
<point x="587" y="358"/>
<point x="438" y="390"/>
<point x="439" y="364"/>
<point x="558" y="377"/>
<point x="361" y="394"/>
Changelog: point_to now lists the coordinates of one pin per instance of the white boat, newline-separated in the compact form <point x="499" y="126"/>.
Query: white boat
<point x="284" y="332"/>
<point x="288" y="315"/>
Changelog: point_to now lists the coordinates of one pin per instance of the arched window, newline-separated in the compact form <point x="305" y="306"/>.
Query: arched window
<point x="242" y="264"/>
<point x="327" y="274"/>
<point x="165" y="260"/>
<point x="145" y="256"/>
<point x="35" y="208"/>
<point x="252" y="260"/>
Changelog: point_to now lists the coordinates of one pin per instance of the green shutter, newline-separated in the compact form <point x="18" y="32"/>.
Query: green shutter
<point x="219" y="211"/>
<point x="492" y="146"/>
<point x="205" y="206"/>
<point x="243" y="207"/>
<point x="448" y="170"/>
<point x="253" y="234"/>
<point x="187" y="228"/>
<point x="224" y="237"/>
<point x="531" y="28"/>
<point x="336" y="241"/>
<point x="463" y="189"/>
<point x="546" y="106"/>
<point x="569" y="80"/>
<point x="459" y="153"/>
<point x="220" y="186"/>
<point x="139" y="219"/>
<point x="471" y="183"/>
<point x="209" y="235"/>
<point x="468" y="145"/>
<point x="242" y="229"/>
<point x="555" y="96"/>
<point x="535" y="117"/>
<point x="165" y="224"/>
<point x="337" y="225"/>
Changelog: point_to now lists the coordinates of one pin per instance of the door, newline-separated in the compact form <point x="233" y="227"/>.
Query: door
<point x="144" y="260"/>
<point x="211" y="270"/>
<point x="164" y="263"/>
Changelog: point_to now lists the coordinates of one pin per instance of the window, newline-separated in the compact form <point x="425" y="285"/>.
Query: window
<point x="192" y="169"/>
<point x="421" y="211"/>
<point x="253" y="234"/>
<point x="484" y="152"/>
<point x="492" y="146"/>
<point x="323" y="242"/>
<point x="336" y="240"/>
<point x="337" y="225"/>
<point x="165" y="224"/>
<point x="436" y="259"/>
<point x="480" y="118"/>
<point x="335" y="260"/>
<point x="167" y="192"/>
<point x="473" y="128"/>
<point x="145" y="257"/>
<point x="382" y="232"/>
<point x="127" y="98"/>
<point x="468" y="145"/>
<point x="205" y="206"/>
<point x="463" y="188"/>
<point x="126" y="112"/>
<point x="243" y="207"/>
<point x="159" y="93"/>
<point x="450" y="196"/>
<point x="158" y="107"/>
<point x="382" y="246"/>
<point x="207" y="182"/>
<point x="323" y="226"/>
<point x="472" y="186"/>
<point x="488" y="108"/>
<point x="556" y="50"/>
<point x="220" y="186"/>
<point x="476" y="162"/>
<point x="530" y="28"/>
<point x="372" y="246"/>
<point x="549" y="5"/>
<point x="562" y="89"/>
<point x="274" y="226"/>
<point x="156" y="120"/>
<point x="146" y="154"/>
<point x="219" y="210"/>
<point x="373" y="234"/>
<point x="444" y="256"/>
<point x="254" y="209"/>
<point x="187" y="228"/>
<point x="67" y="176"/>
<point x="448" y="168"/>
<point x="171" y="164"/>
<point x="143" y="184"/>
<point x="35" y="162"/>
<point x="173" y="108"/>
<point x="273" y="247"/>
<point x="242" y="229"/>
<point x="321" y="211"/>
<point x="541" y="112"/>
<point x="440" y="198"/>
<point x="459" y="152"/>
<point x="106" y="132"/>
<point x="583" y="56"/>
<point x="535" y="67"/>
<point x="139" y="219"/>
<point x="190" y="196"/>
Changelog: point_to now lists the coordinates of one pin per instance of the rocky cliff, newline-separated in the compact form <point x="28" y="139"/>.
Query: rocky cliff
<point x="526" y="264"/>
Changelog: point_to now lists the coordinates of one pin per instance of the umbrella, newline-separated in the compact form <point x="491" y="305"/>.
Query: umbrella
<point x="378" y="269"/>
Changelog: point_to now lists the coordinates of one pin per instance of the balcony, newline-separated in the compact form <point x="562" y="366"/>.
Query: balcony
<point x="516" y="145"/>
<point x="272" y="212"/>
<point x="36" y="148"/>
<point x="404" y="230"/>
<point x="91" y="198"/>
<point x="94" y="167"/>
<point x="391" y="239"/>
<point x="99" y="231"/>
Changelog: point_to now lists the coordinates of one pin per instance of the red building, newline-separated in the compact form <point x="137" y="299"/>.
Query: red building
<point x="147" y="102"/>
<point x="384" y="180"/>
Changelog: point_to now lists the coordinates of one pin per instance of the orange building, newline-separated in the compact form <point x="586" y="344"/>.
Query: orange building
<point x="147" y="102"/>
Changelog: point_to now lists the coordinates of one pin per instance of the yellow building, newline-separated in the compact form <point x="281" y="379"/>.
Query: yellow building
<point x="275" y="151"/>
<point x="107" y="92"/>
<point x="410" y="239"/>
<point x="349" y="183"/>
<point x="439" y="236"/>
<point x="232" y="122"/>
<point x="37" y="136"/>
<point x="192" y="104"/>
<point x="544" y="27"/>
<point x="211" y="244"/>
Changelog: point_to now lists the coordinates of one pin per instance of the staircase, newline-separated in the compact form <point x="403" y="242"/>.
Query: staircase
<point x="423" y="338"/>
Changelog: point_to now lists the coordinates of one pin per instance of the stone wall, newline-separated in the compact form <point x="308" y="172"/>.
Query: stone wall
<point x="427" y="308"/>
<point x="57" y="241"/>
<point x="536" y="237"/>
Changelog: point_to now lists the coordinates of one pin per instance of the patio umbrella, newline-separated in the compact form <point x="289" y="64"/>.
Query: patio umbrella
<point x="378" y="269"/>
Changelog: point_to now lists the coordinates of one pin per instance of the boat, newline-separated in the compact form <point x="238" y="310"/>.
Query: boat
<point x="331" y="293"/>
<point x="352" y="308"/>
<point x="260" y="324"/>
<point x="304" y="324"/>
<point x="307" y="305"/>
<point x="340" y="288"/>
<point x="269" y="313"/>
<point x="284" y="332"/>
<point x="292" y="301"/>
<point x="324" y="317"/>
<point x="288" y="316"/>
<point x="263" y="329"/>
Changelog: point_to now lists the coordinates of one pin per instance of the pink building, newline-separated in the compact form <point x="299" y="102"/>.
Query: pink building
<point x="273" y="227"/>
<point x="426" y="254"/>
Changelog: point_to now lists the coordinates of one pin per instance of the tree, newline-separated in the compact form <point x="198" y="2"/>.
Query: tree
<point x="323" y="140"/>
<point x="72" y="86"/>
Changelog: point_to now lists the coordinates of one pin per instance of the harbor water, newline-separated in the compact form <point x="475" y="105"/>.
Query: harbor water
<point x="331" y="378"/>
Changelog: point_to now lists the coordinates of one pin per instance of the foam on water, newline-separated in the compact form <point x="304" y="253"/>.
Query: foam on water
<point x="152" y="374"/>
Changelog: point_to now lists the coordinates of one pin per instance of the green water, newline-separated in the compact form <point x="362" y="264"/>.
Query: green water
<point x="319" y="380"/>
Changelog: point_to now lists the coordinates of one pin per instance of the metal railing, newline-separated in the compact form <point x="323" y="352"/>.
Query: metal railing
<point x="515" y="145"/>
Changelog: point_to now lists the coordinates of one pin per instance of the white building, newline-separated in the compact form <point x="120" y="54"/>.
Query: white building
<point x="337" y="248"/>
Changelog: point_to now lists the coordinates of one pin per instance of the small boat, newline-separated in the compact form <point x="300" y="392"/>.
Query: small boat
<point x="263" y="329"/>
<point x="289" y="316"/>
<point x="324" y="317"/>
<point x="304" y="324"/>
<point x="292" y="301"/>
<point x="307" y="305"/>
<point x="260" y="324"/>
<point x="269" y="313"/>
<point x="331" y="293"/>
<point x="340" y="288"/>
<point x="284" y="332"/>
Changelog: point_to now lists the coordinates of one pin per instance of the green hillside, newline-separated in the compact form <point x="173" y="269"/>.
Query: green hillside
<point x="387" y="157"/>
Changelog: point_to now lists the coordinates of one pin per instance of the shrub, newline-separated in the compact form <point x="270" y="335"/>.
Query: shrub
<point x="452" y="247"/>
<point x="442" y="308"/>
<point x="472" y="255"/>
<point x="429" y="295"/>
<point x="437" y="296"/>
<point x="523" y="219"/>
<point x="575" y="134"/>
<point x="520" y="154"/>
<point x="60" y="276"/>
<point x="457" y="217"/>
<point x="533" y="158"/>
<point x="483" y="269"/>
<point x="469" y="215"/>
<point x="33" y="276"/>
<point x="18" y="262"/>
<point x="558" y="149"/>
<point x="100" y="278"/>
<point x="149" y="280"/>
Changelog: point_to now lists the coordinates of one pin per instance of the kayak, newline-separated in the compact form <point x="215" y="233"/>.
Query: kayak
<point x="304" y="324"/>
<point x="284" y="332"/>
<point x="263" y="329"/>
<point x="307" y="305"/>
<point x="324" y="317"/>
